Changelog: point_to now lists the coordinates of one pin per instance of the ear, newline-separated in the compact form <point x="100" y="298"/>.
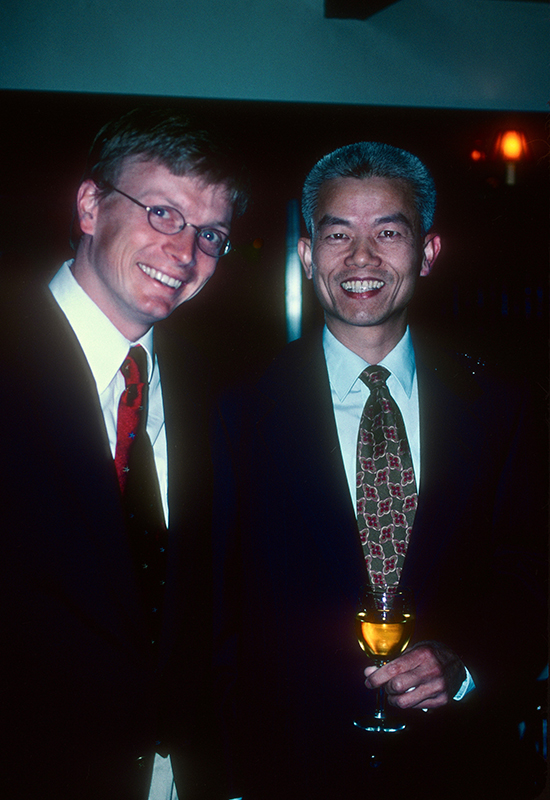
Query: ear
<point x="86" y="205"/>
<point x="431" y="248"/>
<point x="304" y="251"/>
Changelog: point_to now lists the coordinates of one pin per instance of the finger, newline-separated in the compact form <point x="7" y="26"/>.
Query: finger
<point x="369" y="671"/>
<point x="427" y="695"/>
<point x="379" y="677"/>
<point x="404" y="682"/>
<point x="424" y="704"/>
<point x="423" y="672"/>
<point x="416" y="683"/>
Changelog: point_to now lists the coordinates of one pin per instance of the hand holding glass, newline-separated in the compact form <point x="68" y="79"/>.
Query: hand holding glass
<point x="384" y="626"/>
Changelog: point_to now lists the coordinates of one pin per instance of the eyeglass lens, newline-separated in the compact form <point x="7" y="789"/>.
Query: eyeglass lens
<point x="170" y="221"/>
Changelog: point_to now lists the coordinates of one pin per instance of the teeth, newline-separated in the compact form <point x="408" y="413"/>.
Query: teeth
<point x="361" y="286"/>
<point x="174" y="283"/>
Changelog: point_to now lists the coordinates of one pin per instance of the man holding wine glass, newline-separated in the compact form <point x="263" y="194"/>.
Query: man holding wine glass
<point x="367" y="456"/>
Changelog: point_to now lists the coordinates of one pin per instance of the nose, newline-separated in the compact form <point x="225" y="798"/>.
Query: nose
<point x="182" y="246"/>
<point x="363" y="253"/>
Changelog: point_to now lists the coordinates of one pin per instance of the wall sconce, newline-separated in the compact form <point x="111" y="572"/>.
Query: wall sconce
<point x="512" y="147"/>
<point x="478" y="151"/>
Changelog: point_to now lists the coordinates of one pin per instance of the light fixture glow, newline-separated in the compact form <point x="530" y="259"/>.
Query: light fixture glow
<point x="511" y="146"/>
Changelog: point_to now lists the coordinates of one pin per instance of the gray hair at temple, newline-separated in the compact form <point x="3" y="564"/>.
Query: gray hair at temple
<point x="368" y="160"/>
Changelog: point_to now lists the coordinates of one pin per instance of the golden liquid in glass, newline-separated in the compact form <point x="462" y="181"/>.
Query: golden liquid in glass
<point x="383" y="640"/>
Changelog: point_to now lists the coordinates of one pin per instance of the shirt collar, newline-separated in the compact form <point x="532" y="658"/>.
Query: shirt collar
<point x="104" y="345"/>
<point x="344" y="366"/>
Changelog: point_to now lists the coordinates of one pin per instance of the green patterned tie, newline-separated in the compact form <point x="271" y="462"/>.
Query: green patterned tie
<point x="386" y="486"/>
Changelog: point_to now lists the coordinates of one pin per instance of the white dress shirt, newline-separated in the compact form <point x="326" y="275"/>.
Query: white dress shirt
<point x="105" y="349"/>
<point x="349" y="395"/>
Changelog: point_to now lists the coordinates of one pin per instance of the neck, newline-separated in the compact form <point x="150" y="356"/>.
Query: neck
<point x="371" y="343"/>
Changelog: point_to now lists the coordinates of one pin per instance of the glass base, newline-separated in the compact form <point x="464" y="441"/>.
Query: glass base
<point x="374" y="725"/>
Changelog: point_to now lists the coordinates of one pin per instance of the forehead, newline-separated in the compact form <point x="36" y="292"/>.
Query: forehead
<point x="359" y="199"/>
<point x="148" y="176"/>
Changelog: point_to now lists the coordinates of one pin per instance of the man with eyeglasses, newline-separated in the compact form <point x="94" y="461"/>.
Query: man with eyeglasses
<point x="106" y="591"/>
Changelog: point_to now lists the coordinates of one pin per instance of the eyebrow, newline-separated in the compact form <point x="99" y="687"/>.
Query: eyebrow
<point x="327" y="220"/>
<point x="218" y="225"/>
<point x="399" y="217"/>
<point x="171" y="204"/>
<point x="168" y="203"/>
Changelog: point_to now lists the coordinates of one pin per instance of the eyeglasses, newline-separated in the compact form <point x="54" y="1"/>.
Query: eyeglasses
<point x="170" y="221"/>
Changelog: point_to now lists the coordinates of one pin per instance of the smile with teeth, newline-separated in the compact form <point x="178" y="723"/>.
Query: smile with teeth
<point x="358" y="287"/>
<point x="174" y="283"/>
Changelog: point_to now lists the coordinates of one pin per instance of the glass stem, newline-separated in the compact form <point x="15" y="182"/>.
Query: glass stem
<point x="379" y="712"/>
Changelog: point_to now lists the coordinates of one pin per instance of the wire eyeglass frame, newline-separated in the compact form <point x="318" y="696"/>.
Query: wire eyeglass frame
<point x="217" y="247"/>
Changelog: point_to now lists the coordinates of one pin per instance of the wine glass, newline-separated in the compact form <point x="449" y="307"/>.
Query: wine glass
<point x="384" y="625"/>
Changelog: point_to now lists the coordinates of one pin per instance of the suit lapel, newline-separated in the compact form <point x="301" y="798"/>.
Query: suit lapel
<point x="298" y="408"/>
<point x="71" y="424"/>
<point x="446" y="422"/>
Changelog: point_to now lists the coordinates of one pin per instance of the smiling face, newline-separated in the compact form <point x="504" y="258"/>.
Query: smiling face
<point x="365" y="258"/>
<point x="135" y="274"/>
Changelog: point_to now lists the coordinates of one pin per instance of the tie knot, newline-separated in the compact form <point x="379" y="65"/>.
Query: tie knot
<point x="134" y="367"/>
<point x="375" y="376"/>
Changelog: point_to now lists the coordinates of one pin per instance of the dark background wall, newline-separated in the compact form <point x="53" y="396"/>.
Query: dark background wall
<point x="489" y="288"/>
<point x="291" y="82"/>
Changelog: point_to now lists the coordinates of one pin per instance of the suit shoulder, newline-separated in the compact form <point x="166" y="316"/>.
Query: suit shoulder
<point x="490" y="377"/>
<point x="37" y="333"/>
<point x="293" y="372"/>
<point x="177" y="354"/>
<point x="466" y="371"/>
<point x="301" y="355"/>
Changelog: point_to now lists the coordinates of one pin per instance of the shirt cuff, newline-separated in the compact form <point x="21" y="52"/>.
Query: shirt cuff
<point x="467" y="686"/>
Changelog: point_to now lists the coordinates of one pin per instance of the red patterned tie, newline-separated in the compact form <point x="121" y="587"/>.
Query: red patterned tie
<point x="386" y="486"/>
<point x="137" y="475"/>
<point x="129" y="414"/>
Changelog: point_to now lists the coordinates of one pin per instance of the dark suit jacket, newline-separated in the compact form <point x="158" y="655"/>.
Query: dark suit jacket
<point x="83" y="701"/>
<point x="293" y="571"/>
